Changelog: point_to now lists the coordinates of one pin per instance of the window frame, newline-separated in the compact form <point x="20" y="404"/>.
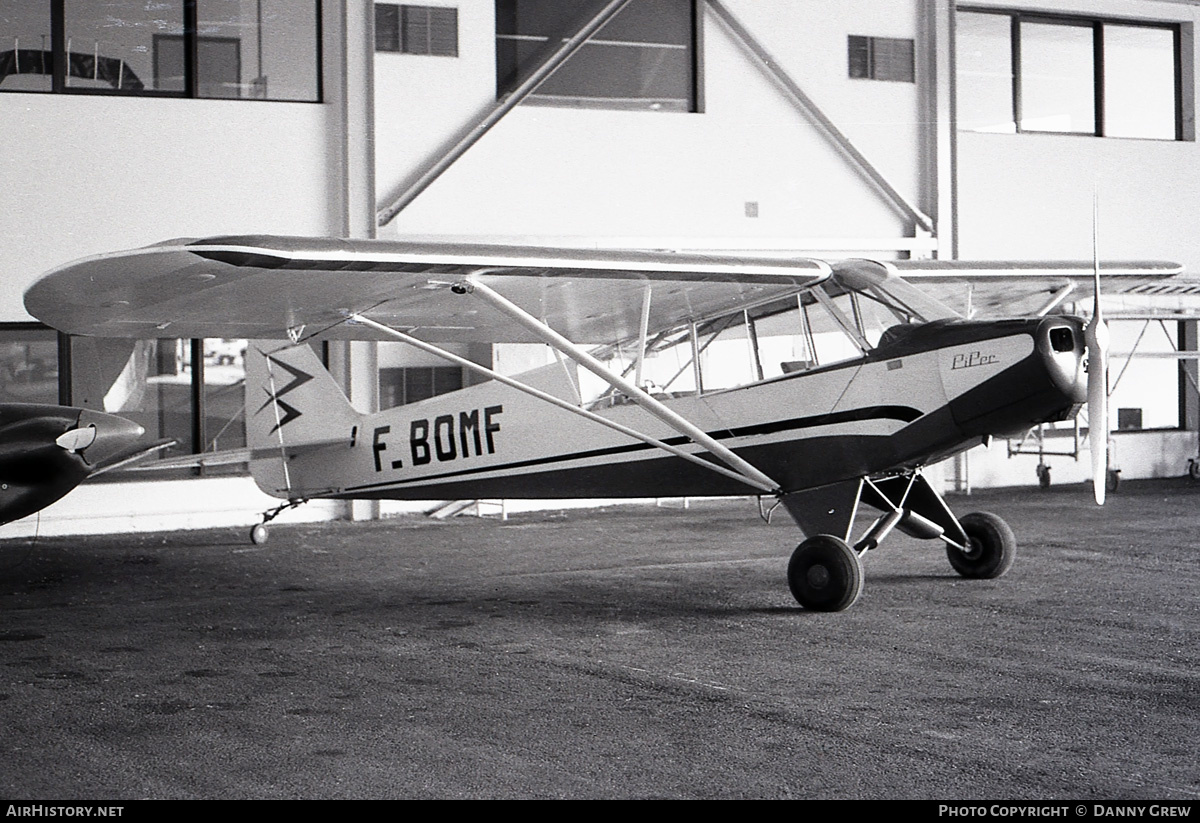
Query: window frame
<point x="198" y="390"/>
<point x="505" y="84"/>
<point x="1096" y="25"/>
<point x="409" y="11"/>
<point x="871" y="68"/>
<point x="60" y="67"/>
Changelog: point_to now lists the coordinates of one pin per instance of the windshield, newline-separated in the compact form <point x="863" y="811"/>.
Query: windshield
<point x="843" y="318"/>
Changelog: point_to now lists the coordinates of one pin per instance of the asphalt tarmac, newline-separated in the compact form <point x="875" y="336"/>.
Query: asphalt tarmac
<point x="621" y="653"/>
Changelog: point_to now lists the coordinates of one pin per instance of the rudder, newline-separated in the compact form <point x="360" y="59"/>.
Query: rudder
<point x="292" y="401"/>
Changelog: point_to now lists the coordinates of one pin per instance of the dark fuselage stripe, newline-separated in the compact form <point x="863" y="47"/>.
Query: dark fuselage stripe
<point x="905" y="414"/>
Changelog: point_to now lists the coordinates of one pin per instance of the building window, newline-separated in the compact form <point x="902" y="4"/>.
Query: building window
<point x="431" y="30"/>
<point x="29" y="364"/>
<point x="881" y="58"/>
<point x="191" y="391"/>
<point x="387" y="27"/>
<point x="644" y="58"/>
<point x="399" y="386"/>
<point x="251" y="49"/>
<point x="1034" y="73"/>
<point x="1129" y="419"/>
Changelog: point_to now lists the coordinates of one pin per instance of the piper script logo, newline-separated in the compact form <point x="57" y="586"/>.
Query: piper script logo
<point x="289" y="412"/>
<point x="969" y="360"/>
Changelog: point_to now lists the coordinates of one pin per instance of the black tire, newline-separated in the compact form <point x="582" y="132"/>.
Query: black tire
<point x="992" y="547"/>
<point x="259" y="534"/>
<point x="825" y="574"/>
<point x="1112" y="480"/>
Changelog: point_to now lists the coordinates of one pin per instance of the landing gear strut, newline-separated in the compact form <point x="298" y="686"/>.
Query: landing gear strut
<point x="825" y="572"/>
<point x="260" y="532"/>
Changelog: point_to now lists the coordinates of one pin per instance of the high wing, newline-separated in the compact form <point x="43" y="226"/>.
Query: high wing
<point x="262" y="287"/>
<point x="267" y="286"/>
<point x="1025" y="287"/>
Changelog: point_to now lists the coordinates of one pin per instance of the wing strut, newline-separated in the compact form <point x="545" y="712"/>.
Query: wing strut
<point x="747" y="473"/>
<point x="274" y="401"/>
<point x="766" y="486"/>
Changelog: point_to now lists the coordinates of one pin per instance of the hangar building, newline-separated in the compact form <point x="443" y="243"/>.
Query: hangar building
<point x="905" y="128"/>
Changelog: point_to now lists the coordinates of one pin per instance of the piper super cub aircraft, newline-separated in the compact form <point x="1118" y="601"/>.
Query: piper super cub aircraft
<point x="828" y="432"/>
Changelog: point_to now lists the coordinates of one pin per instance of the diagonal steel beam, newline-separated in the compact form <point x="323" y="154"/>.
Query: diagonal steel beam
<point x="805" y="104"/>
<point x="502" y="107"/>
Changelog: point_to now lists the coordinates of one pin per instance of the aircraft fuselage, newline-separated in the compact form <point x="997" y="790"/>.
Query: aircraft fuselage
<point x="926" y="392"/>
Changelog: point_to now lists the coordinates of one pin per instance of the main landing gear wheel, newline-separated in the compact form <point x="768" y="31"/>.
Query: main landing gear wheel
<point x="992" y="547"/>
<point x="825" y="574"/>
<point x="259" y="534"/>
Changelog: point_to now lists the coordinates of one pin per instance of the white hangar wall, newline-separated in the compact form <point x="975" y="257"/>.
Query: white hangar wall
<point x="1030" y="195"/>
<point x="591" y="173"/>
<point x="85" y="175"/>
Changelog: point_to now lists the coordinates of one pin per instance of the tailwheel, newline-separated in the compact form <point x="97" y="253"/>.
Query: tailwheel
<point x="259" y="534"/>
<point x="825" y="574"/>
<point x="991" y="547"/>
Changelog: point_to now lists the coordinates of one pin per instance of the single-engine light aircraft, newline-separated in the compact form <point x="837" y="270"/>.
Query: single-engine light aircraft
<point x="819" y="429"/>
<point x="46" y="451"/>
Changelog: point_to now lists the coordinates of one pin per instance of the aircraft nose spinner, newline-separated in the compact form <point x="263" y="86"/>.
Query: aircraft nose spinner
<point x="106" y="436"/>
<point x="46" y="451"/>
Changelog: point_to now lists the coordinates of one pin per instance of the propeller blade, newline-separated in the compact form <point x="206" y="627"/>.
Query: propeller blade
<point x="1096" y="339"/>
<point x="76" y="440"/>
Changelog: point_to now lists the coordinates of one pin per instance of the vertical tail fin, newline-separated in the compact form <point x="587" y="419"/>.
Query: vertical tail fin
<point x="292" y="401"/>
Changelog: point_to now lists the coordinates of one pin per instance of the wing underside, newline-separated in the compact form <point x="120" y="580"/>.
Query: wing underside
<point x="265" y="287"/>
<point x="1023" y="288"/>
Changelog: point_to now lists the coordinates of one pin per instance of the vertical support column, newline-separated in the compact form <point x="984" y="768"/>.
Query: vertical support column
<point x="58" y="47"/>
<point x="191" y="49"/>
<point x="349" y="41"/>
<point x="962" y="472"/>
<point x="936" y="90"/>
<point x="65" y="370"/>
<point x="1189" y="378"/>
<point x="357" y="106"/>
<point x="196" y="354"/>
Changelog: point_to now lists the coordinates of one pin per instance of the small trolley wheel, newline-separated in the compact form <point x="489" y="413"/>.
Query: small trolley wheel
<point x="825" y="574"/>
<point x="259" y="534"/>
<point x="991" y="547"/>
